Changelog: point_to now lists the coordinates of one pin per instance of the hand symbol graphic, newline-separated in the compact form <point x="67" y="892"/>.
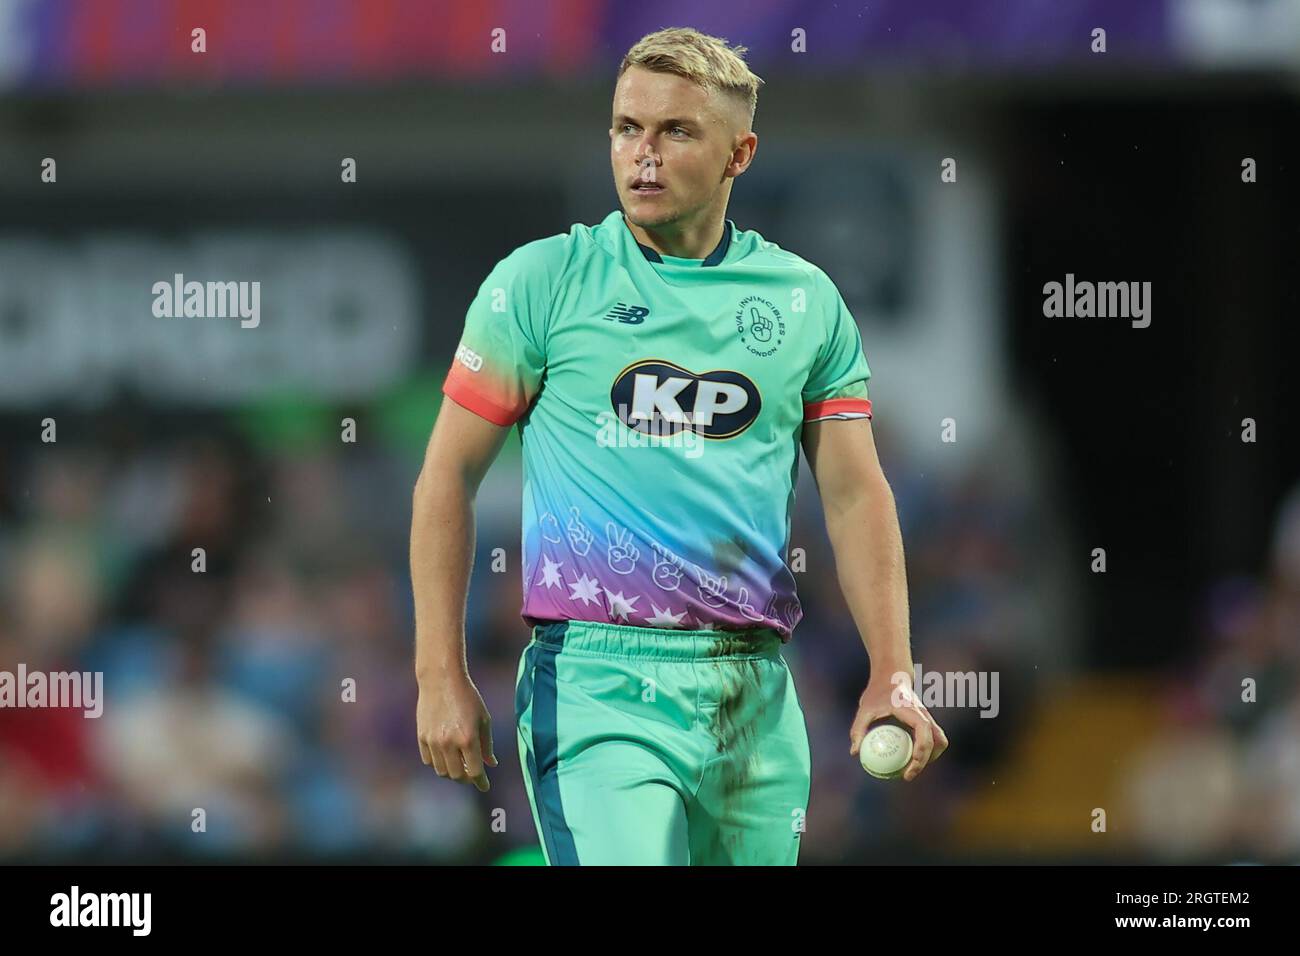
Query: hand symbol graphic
<point x="713" y="590"/>
<point x="745" y="608"/>
<point x="623" y="551"/>
<point x="580" y="536"/>
<point x="550" y="528"/>
<point x="668" y="570"/>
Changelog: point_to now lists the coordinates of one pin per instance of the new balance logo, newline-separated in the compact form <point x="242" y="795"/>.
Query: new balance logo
<point x="629" y="314"/>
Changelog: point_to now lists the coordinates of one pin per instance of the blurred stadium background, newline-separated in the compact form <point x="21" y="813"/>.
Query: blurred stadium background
<point x="1119" y="690"/>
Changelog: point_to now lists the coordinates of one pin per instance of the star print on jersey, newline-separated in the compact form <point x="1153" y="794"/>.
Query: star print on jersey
<point x="664" y="617"/>
<point x="584" y="589"/>
<point x="620" y="606"/>
<point x="551" y="573"/>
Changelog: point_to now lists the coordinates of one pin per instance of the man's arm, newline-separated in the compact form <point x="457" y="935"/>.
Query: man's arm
<point x="862" y="523"/>
<point x="452" y="723"/>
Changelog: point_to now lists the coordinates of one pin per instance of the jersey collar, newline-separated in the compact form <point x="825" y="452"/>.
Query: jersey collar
<point x="716" y="256"/>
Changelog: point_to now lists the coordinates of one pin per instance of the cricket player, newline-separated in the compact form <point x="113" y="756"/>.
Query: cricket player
<point x="663" y="368"/>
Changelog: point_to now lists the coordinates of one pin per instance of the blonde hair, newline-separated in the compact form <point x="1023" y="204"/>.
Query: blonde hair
<point x="700" y="58"/>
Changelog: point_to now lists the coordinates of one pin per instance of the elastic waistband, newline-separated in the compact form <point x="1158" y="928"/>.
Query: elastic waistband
<point x="649" y="643"/>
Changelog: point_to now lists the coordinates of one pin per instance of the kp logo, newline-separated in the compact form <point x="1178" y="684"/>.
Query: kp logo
<point x="659" y="398"/>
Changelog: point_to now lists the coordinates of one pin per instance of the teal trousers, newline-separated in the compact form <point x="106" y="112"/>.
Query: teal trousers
<point x="644" y="746"/>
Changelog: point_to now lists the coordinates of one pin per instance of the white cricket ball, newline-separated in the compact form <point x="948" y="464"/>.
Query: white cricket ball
<point x="885" y="751"/>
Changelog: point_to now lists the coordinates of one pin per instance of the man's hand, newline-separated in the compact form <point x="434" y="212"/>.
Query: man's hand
<point x="893" y="697"/>
<point x="454" y="729"/>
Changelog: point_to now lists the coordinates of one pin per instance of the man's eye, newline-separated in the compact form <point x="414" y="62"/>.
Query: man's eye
<point x="627" y="126"/>
<point x="677" y="129"/>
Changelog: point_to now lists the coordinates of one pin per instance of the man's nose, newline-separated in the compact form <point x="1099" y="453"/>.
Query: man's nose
<point x="647" y="164"/>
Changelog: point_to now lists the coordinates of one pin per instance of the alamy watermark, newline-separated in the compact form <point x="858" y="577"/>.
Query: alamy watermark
<point x="209" y="300"/>
<point x="947" y="689"/>
<point x="1099" y="300"/>
<point x="61" y="689"/>
<point x="654" y="432"/>
<point x="73" y="909"/>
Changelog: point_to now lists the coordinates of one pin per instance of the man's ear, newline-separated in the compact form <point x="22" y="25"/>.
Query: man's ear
<point x="753" y="150"/>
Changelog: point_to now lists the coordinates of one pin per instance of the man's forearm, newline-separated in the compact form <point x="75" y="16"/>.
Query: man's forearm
<point x="442" y="551"/>
<point x="868" y="546"/>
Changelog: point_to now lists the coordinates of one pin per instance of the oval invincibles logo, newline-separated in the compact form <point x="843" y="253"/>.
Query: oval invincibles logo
<point x="659" y="398"/>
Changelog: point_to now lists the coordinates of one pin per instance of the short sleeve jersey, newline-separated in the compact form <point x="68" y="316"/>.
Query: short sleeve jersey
<point x="660" y="403"/>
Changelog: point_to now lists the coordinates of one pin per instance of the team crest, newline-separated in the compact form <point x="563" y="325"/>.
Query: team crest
<point x="759" y="323"/>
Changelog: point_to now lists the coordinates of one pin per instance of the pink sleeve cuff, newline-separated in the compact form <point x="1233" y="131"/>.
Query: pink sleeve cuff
<point x="841" y="408"/>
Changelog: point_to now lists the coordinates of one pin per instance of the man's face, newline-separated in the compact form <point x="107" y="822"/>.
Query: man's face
<point x="689" y="135"/>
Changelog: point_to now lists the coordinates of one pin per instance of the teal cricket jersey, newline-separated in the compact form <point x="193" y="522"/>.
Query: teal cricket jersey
<point x="660" y="402"/>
